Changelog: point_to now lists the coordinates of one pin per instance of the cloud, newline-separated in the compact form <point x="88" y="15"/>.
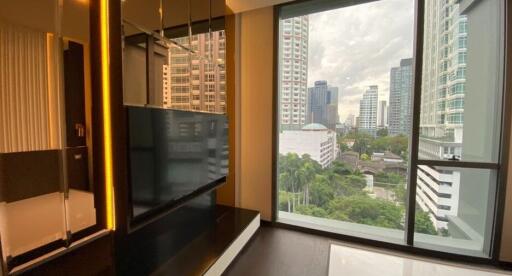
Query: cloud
<point x="357" y="46"/>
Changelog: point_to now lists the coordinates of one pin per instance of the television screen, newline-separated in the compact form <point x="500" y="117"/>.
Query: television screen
<point x="174" y="156"/>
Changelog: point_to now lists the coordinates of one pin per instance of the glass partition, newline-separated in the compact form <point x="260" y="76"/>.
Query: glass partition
<point x="46" y="181"/>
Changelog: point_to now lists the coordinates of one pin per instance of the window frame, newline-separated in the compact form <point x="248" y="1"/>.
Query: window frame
<point x="500" y="167"/>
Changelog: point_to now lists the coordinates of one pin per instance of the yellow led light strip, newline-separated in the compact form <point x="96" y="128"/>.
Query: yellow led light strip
<point x="107" y="127"/>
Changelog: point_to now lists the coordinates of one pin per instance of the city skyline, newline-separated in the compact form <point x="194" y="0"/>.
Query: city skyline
<point x="366" y="60"/>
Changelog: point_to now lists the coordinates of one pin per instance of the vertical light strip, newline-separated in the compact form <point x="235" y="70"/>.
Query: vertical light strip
<point x="107" y="127"/>
<point x="51" y="117"/>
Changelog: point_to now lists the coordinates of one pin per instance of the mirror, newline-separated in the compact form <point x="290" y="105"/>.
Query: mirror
<point x="46" y="188"/>
<point x="183" y="67"/>
<point x="175" y="100"/>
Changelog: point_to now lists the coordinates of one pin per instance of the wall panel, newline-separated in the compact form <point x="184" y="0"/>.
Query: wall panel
<point x="257" y="74"/>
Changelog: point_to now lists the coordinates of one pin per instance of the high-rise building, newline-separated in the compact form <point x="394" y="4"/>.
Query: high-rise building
<point x="293" y="74"/>
<point x="400" y="91"/>
<point x="442" y="108"/>
<point x="350" y="120"/>
<point x="192" y="82"/>
<point x="322" y="105"/>
<point x="368" y="110"/>
<point x="383" y="114"/>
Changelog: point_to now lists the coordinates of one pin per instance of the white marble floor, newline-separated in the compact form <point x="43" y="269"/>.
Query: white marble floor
<point x="344" y="260"/>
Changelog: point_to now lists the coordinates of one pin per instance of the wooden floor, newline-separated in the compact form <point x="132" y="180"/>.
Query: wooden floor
<point x="276" y="251"/>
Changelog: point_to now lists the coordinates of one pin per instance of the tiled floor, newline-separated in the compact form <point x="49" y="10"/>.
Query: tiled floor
<point x="345" y="260"/>
<point x="275" y="251"/>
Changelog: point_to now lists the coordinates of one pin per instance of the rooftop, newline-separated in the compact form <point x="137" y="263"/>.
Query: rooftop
<point x="314" y="127"/>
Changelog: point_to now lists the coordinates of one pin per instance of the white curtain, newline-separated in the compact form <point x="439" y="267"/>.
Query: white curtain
<point x="28" y="121"/>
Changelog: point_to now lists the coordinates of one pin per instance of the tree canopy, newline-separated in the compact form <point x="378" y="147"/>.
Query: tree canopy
<point x="339" y="193"/>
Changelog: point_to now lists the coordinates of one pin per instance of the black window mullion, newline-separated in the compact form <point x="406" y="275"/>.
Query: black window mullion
<point x="416" y="107"/>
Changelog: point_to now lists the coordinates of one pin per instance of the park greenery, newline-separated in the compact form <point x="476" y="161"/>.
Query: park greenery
<point x="340" y="193"/>
<point x="366" y="144"/>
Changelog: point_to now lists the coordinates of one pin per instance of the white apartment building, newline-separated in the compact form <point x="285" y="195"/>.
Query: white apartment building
<point x="293" y="75"/>
<point x="368" y="110"/>
<point x="437" y="193"/>
<point x="195" y="83"/>
<point x="314" y="139"/>
<point x="442" y="108"/>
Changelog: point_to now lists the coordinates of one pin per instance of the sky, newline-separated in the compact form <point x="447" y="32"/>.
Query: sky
<point x="357" y="46"/>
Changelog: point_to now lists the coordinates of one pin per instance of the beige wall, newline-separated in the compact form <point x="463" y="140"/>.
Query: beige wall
<point x="256" y="110"/>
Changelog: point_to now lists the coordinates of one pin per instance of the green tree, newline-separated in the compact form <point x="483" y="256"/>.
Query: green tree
<point x="311" y="210"/>
<point x="366" y="210"/>
<point x="382" y="132"/>
<point x="284" y="201"/>
<point x="395" y="144"/>
<point x="400" y="193"/>
<point x="423" y="223"/>
<point x="362" y="143"/>
<point x="365" y="157"/>
<point x="384" y="178"/>
<point x="341" y="142"/>
<point x="290" y="177"/>
<point x="399" y="145"/>
<point x="308" y="171"/>
<point x="321" y="191"/>
<point x="340" y="168"/>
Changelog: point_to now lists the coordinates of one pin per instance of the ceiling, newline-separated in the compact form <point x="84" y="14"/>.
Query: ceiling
<point x="238" y="6"/>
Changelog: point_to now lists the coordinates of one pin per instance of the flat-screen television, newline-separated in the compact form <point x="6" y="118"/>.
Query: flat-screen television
<point x="174" y="156"/>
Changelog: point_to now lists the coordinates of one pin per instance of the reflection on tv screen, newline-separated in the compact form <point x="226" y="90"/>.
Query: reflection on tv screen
<point x="173" y="154"/>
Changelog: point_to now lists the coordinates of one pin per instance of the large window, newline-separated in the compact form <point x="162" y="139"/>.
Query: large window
<point x="345" y="162"/>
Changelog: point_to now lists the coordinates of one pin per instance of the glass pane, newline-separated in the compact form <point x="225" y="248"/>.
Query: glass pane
<point x="455" y="209"/>
<point x="134" y="70"/>
<point x="345" y="87"/>
<point x="161" y="73"/>
<point x="46" y="189"/>
<point x="198" y="81"/>
<point x="462" y="74"/>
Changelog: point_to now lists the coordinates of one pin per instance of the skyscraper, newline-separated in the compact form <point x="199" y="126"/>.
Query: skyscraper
<point x="368" y="110"/>
<point x="322" y="104"/>
<point x="400" y="91"/>
<point x="383" y="114"/>
<point x="442" y="108"/>
<point x="294" y="71"/>
<point x="196" y="84"/>
<point x="350" y="120"/>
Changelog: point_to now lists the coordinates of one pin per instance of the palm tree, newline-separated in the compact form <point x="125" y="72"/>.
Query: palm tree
<point x="309" y="170"/>
<point x="285" y="182"/>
